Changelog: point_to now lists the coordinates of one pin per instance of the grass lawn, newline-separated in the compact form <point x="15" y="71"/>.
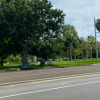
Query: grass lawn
<point x="72" y="63"/>
<point x="12" y="63"/>
<point x="17" y="65"/>
<point x="9" y="67"/>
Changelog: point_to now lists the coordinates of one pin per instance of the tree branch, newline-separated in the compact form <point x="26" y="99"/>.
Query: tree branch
<point x="16" y="40"/>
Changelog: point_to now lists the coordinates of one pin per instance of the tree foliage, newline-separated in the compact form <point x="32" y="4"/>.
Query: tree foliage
<point x="26" y="21"/>
<point x="97" y="24"/>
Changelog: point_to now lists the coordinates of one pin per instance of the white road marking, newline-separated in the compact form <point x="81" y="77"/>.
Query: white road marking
<point x="49" y="89"/>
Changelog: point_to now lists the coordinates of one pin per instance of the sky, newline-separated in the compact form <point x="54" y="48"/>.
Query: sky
<point x="80" y="13"/>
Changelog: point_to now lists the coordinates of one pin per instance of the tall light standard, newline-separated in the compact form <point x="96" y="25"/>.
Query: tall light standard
<point x="96" y="40"/>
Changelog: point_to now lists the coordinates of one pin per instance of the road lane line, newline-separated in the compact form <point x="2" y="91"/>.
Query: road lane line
<point x="26" y="93"/>
<point x="54" y="79"/>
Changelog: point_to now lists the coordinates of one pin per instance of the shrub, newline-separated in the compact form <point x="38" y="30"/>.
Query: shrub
<point x="79" y="57"/>
<point x="12" y="58"/>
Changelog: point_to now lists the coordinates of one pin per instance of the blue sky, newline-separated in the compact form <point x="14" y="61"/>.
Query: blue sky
<point x="80" y="13"/>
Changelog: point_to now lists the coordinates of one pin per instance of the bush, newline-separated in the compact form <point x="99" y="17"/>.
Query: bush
<point x="67" y="59"/>
<point x="54" y="56"/>
<point x="12" y="58"/>
<point x="79" y="57"/>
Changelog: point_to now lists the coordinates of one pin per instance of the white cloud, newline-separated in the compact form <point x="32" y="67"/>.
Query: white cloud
<point x="85" y="10"/>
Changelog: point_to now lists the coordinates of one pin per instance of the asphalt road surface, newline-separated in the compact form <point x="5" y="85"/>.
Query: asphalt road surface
<point x="74" y="87"/>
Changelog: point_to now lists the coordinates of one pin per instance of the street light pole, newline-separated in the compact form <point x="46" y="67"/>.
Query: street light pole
<point x="96" y="41"/>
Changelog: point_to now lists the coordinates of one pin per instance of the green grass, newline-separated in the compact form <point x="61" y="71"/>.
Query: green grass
<point x="11" y="63"/>
<point x="9" y="67"/>
<point x="17" y="65"/>
<point x="72" y="63"/>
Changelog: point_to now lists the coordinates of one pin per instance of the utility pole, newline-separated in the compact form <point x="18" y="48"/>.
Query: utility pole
<point x="96" y="41"/>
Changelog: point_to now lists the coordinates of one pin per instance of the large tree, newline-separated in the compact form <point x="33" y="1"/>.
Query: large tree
<point x="71" y="38"/>
<point x="29" y="21"/>
<point x="51" y="48"/>
<point x="91" y="42"/>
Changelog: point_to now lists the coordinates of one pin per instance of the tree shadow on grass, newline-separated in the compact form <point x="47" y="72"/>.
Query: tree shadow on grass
<point x="9" y="67"/>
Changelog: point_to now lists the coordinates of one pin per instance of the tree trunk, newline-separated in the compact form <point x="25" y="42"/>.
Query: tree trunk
<point x="82" y="53"/>
<point x="1" y="63"/>
<point x="91" y="52"/>
<point x="24" y="55"/>
<point x="70" y="55"/>
<point x="75" y="56"/>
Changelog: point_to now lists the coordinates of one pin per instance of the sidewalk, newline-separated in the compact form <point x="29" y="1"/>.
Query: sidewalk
<point x="26" y="75"/>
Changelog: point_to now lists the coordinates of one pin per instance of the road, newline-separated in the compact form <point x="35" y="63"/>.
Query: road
<point x="76" y="87"/>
